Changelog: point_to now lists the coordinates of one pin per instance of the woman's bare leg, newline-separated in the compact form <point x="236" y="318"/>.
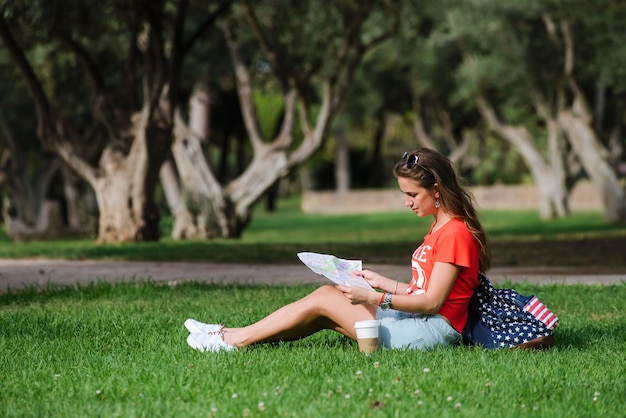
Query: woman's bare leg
<point x="325" y="308"/>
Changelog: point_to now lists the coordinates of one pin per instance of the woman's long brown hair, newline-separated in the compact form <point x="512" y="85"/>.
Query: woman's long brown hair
<point x="432" y="167"/>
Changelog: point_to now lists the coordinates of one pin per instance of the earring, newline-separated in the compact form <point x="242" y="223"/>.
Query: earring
<point x="437" y="204"/>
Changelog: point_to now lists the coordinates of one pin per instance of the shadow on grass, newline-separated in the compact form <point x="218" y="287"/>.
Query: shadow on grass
<point x="597" y="251"/>
<point x="590" y="334"/>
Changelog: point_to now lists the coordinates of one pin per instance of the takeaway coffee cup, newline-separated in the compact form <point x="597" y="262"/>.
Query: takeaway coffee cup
<point x="367" y="335"/>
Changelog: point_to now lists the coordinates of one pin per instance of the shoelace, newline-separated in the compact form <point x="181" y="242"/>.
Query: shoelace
<point x="219" y="332"/>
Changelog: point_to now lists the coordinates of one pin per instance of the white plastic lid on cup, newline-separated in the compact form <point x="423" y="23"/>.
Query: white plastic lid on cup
<point x="367" y="329"/>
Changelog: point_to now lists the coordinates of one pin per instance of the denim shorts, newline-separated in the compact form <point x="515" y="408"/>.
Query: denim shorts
<point x="414" y="331"/>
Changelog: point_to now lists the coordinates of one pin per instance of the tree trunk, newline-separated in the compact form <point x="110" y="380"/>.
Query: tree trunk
<point x="28" y="213"/>
<point x="456" y="147"/>
<point x="117" y="222"/>
<point x="22" y="202"/>
<point x="419" y="127"/>
<point x="589" y="151"/>
<point x="577" y="122"/>
<point x="342" y="161"/>
<point x="124" y="183"/>
<point x="228" y="208"/>
<point x="377" y="173"/>
<point x="184" y="226"/>
<point x="71" y="191"/>
<point x="201" y="190"/>
<point x="552" y="196"/>
<point x="557" y="153"/>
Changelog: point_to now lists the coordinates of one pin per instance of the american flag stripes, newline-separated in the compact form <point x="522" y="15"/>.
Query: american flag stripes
<point x="539" y="311"/>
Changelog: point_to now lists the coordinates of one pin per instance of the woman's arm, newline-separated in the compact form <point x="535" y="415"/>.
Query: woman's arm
<point x="441" y="281"/>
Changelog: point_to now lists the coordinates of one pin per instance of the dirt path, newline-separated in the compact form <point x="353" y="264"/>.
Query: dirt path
<point x="17" y="274"/>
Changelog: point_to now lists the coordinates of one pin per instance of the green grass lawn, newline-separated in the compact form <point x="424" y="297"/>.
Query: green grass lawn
<point x="119" y="351"/>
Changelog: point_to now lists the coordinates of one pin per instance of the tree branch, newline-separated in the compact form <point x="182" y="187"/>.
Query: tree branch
<point x="202" y="27"/>
<point x="580" y="105"/>
<point x="48" y="125"/>
<point x="284" y="138"/>
<point x="353" y="50"/>
<point x="244" y="90"/>
<point x="100" y="109"/>
<point x="272" y="51"/>
<point x="90" y="66"/>
<point x="42" y="104"/>
<point x="156" y="67"/>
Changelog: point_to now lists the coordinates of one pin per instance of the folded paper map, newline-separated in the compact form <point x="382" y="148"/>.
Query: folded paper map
<point x="336" y="269"/>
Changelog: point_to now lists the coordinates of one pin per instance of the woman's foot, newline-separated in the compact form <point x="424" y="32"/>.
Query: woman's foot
<point x="206" y="337"/>
<point x="209" y="342"/>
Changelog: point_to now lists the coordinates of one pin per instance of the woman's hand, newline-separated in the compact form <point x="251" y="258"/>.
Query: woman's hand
<point x="359" y="295"/>
<point x="374" y="279"/>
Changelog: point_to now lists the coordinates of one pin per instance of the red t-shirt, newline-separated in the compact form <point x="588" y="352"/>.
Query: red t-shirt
<point x="455" y="244"/>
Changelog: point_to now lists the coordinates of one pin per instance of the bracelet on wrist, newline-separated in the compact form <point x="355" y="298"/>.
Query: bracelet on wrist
<point x="396" y="289"/>
<point x="382" y="298"/>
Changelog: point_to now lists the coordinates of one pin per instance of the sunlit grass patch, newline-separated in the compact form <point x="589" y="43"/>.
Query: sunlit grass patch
<point x="119" y="350"/>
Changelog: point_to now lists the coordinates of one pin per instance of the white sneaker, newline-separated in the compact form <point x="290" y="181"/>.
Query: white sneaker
<point x="195" y="327"/>
<point x="208" y="342"/>
<point x="194" y="343"/>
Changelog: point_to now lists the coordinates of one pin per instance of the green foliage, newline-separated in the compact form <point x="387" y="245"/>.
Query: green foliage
<point x="270" y="106"/>
<point x="119" y="350"/>
<point x="498" y="164"/>
<point x="444" y="52"/>
<point x="603" y="42"/>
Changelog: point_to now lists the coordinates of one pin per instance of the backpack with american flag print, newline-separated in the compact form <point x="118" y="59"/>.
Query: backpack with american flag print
<point x="503" y="318"/>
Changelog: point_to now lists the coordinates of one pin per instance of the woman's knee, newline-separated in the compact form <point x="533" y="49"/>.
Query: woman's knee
<point x="326" y="290"/>
<point x="321" y="297"/>
<point x="326" y="293"/>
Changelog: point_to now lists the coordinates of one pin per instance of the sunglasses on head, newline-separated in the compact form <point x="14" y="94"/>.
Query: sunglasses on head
<point x="411" y="161"/>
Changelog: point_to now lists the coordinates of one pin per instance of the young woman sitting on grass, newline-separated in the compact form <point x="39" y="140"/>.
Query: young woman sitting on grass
<point x="428" y="312"/>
